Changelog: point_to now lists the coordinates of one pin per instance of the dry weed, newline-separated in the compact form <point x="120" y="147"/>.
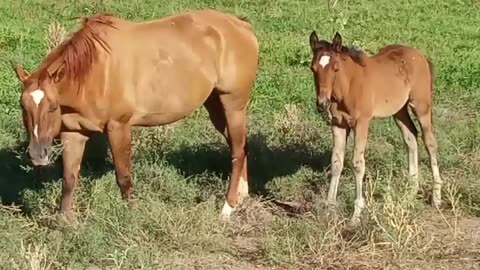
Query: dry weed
<point x="34" y="257"/>
<point x="290" y="122"/>
<point x="144" y="139"/>
<point x="55" y="35"/>
<point x="395" y="217"/>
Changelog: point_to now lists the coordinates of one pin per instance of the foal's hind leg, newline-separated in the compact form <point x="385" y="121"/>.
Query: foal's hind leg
<point x="424" y="114"/>
<point x="230" y="120"/>
<point x="409" y="133"/>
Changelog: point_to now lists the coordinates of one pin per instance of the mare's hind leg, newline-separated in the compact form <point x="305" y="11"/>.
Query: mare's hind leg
<point x="409" y="133"/>
<point x="229" y="117"/>
<point x="423" y="112"/>
<point x="120" y="138"/>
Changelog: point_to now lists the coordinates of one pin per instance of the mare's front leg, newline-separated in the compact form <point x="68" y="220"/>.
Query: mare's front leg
<point x="361" y="135"/>
<point x="74" y="146"/>
<point x="340" y="138"/>
<point x="120" y="138"/>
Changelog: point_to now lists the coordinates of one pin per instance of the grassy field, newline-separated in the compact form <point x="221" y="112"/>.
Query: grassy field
<point x="181" y="171"/>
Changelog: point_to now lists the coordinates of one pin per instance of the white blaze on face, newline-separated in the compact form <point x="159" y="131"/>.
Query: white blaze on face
<point x="37" y="96"/>
<point x="35" y="131"/>
<point x="324" y="60"/>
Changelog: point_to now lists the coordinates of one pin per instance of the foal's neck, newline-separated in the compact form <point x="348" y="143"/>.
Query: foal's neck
<point x="343" y="80"/>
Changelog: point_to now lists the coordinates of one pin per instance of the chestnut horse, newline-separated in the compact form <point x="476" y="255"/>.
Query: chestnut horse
<point x="355" y="88"/>
<point x="113" y="74"/>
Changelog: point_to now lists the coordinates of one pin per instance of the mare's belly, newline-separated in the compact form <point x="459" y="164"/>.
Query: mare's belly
<point x="157" y="119"/>
<point x="165" y="107"/>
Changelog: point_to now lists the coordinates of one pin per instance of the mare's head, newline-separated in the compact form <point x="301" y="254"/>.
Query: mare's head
<point x="326" y="65"/>
<point x="40" y="112"/>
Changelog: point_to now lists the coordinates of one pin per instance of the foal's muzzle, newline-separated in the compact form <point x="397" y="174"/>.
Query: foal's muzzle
<point x="323" y="108"/>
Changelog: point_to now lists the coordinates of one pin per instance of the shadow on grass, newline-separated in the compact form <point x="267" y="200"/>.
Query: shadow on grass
<point x="15" y="179"/>
<point x="264" y="163"/>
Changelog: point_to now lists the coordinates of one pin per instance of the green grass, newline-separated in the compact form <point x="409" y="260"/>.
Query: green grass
<point x="181" y="183"/>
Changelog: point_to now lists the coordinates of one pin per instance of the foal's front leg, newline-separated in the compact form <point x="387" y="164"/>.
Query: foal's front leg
<point x="361" y="135"/>
<point x="340" y="137"/>
<point x="120" y="138"/>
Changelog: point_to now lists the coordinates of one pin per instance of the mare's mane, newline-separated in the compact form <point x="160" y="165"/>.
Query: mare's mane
<point x="355" y="54"/>
<point x="74" y="57"/>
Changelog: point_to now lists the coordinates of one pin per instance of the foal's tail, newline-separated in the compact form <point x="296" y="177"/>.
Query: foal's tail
<point x="432" y="75"/>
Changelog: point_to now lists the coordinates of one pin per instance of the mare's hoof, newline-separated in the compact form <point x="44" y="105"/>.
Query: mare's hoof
<point x="67" y="219"/>
<point x="132" y="203"/>
<point x="226" y="212"/>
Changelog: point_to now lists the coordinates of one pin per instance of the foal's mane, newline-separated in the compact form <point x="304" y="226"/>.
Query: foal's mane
<point x="75" y="56"/>
<point x="355" y="54"/>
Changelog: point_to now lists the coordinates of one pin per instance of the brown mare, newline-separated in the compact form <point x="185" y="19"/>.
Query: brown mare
<point x="355" y="88"/>
<point x="114" y="74"/>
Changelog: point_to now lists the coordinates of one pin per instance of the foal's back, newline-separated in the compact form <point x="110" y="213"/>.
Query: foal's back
<point x="396" y="75"/>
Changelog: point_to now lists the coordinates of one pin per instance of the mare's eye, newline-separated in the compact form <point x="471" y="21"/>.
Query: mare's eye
<point x="53" y="107"/>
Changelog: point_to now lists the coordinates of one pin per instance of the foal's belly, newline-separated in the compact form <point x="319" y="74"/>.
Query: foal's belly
<point x="389" y="105"/>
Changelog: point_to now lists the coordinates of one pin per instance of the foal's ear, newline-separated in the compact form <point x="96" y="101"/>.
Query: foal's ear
<point x="21" y="73"/>
<point x="337" y="42"/>
<point x="313" y="40"/>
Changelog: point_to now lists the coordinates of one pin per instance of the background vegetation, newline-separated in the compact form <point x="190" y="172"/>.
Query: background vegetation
<point x="181" y="171"/>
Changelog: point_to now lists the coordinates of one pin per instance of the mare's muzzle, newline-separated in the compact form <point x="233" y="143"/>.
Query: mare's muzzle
<point x="38" y="153"/>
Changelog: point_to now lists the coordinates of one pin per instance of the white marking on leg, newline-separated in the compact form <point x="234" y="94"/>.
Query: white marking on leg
<point x="35" y="131"/>
<point x="226" y="211"/>
<point x="437" y="183"/>
<point x="412" y="145"/>
<point x="37" y="96"/>
<point x="324" y="60"/>
<point x="339" y="143"/>
<point x="243" y="189"/>
<point x="361" y="134"/>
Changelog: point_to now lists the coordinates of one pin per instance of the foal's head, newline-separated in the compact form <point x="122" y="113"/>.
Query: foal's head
<point x="40" y="112"/>
<point x="325" y="65"/>
<point x="327" y="62"/>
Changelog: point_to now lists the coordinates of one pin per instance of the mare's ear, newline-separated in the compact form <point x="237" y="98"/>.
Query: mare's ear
<point x="313" y="40"/>
<point x="56" y="72"/>
<point x="21" y="73"/>
<point x="337" y="42"/>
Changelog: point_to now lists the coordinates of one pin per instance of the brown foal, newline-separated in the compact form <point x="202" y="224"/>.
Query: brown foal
<point x="354" y="88"/>
<point x="113" y="74"/>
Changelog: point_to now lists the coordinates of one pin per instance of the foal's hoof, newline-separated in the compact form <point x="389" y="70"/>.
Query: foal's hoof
<point x="226" y="212"/>
<point x="437" y="204"/>
<point x="354" y="222"/>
